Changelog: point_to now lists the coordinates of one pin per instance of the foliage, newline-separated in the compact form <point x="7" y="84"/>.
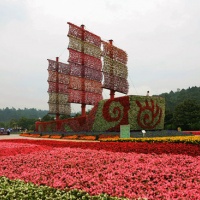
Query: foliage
<point x="187" y="114"/>
<point x="175" y="110"/>
<point x="26" y="123"/>
<point x="20" y="118"/>
<point x="67" y="128"/>
<point x="22" y="123"/>
<point x="7" y="114"/>
<point x="65" y="116"/>
<point x="17" y="189"/>
<point x="47" y="118"/>
<point x="175" y="98"/>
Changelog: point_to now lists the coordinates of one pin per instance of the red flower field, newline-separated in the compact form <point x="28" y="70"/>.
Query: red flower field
<point x="133" y="170"/>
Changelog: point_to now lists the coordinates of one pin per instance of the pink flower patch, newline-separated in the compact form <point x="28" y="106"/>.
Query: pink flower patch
<point x="11" y="148"/>
<point x="132" y="174"/>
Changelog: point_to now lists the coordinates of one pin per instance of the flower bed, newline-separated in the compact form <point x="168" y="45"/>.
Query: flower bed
<point x="127" y="147"/>
<point x="73" y="137"/>
<point x="45" y="136"/>
<point x="25" y="134"/>
<point x="35" y="135"/>
<point x="87" y="137"/>
<point x="56" y="136"/>
<point x="116" y="138"/>
<point x="175" y="139"/>
<point x="132" y="170"/>
<point x="30" y="135"/>
<point x="104" y="137"/>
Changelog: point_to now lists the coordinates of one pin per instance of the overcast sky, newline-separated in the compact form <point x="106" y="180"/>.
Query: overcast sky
<point x="161" y="38"/>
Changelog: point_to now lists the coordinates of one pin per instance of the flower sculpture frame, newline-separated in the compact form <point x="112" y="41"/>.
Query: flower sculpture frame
<point x="141" y="112"/>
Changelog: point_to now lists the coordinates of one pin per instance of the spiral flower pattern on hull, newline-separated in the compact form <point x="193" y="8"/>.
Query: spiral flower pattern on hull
<point x="149" y="115"/>
<point x="116" y="111"/>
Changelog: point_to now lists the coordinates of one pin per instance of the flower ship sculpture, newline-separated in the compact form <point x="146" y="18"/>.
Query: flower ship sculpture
<point x="80" y="81"/>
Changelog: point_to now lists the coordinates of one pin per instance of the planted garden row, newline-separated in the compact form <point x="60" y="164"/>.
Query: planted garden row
<point x="132" y="170"/>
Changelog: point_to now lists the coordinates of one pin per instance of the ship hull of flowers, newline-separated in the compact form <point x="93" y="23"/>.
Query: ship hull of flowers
<point x="140" y="112"/>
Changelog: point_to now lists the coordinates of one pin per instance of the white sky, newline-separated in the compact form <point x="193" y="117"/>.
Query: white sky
<point x="161" y="37"/>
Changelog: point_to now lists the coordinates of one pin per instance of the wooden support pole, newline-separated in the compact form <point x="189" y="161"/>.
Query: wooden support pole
<point x="112" y="92"/>
<point x="57" y="89"/>
<point x="83" y="105"/>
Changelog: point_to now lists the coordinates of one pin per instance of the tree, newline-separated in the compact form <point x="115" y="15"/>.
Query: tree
<point x="2" y="124"/>
<point x="187" y="114"/>
<point x="8" y="114"/>
<point x="47" y="118"/>
<point x="65" y="116"/>
<point x="26" y="123"/>
<point x="169" y="120"/>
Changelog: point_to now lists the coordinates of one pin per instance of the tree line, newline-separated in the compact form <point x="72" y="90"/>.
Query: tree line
<point x="20" y="118"/>
<point x="8" y="114"/>
<point x="182" y="109"/>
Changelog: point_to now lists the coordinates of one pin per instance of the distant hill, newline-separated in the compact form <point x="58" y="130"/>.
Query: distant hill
<point x="8" y="114"/>
<point x="173" y="99"/>
<point x="182" y="109"/>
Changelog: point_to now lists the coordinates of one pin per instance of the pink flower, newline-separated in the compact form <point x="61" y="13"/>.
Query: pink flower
<point x="133" y="170"/>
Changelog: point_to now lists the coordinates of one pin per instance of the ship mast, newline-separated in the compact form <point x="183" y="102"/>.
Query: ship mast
<point x="85" y="64"/>
<point x="112" y="92"/>
<point x="57" y="88"/>
<point x="83" y="105"/>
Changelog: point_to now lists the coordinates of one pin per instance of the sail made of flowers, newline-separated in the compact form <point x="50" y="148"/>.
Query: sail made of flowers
<point x="114" y="68"/>
<point x="78" y="81"/>
<point x="85" y="66"/>
<point x="58" y="82"/>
